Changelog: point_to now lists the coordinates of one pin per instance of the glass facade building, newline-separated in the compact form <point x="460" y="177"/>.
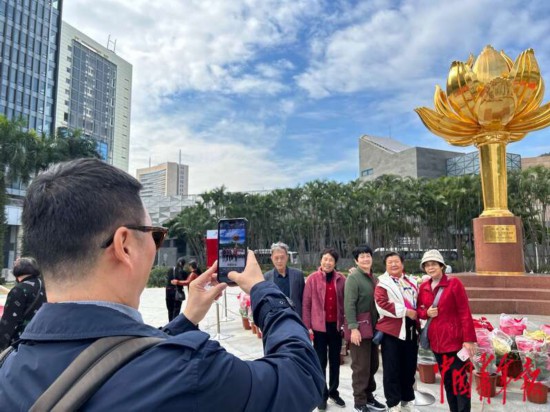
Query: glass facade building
<point x="94" y="94"/>
<point x="29" y="45"/>
<point x="92" y="98"/>
<point x="468" y="164"/>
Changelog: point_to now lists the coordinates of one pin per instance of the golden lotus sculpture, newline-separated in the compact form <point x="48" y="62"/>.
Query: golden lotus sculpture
<point x="489" y="103"/>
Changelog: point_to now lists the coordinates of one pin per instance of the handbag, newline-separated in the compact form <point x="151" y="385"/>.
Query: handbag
<point x="364" y="324"/>
<point x="423" y="340"/>
<point x="179" y="295"/>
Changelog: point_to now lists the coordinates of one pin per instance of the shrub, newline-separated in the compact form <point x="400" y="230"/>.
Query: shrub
<point x="157" y="277"/>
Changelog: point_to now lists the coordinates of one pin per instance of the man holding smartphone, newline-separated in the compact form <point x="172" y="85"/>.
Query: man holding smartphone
<point x="86" y="213"/>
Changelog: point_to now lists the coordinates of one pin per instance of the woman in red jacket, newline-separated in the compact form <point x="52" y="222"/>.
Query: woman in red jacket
<point x="323" y="315"/>
<point x="451" y="327"/>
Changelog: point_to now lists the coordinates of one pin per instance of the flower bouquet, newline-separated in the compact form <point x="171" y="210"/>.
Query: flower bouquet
<point x="244" y="309"/>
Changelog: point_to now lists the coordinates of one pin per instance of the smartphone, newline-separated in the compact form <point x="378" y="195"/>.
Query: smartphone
<point x="232" y="247"/>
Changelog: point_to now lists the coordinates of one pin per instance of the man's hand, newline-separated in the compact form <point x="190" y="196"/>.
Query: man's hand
<point x="251" y="275"/>
<point x="411" y="314"/>
<point x="432" y="312"/>
<point x="356" y="337"/>
<point x="203" y="291"/>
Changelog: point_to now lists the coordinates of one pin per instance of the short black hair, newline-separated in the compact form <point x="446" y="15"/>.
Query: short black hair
<point x="332" y="252"/>
<point x="72" y="208"/>
<point x="181" y="261"/>
<point x="25" y="266"/>
<point x="393" y="254"/>
<point x="361" y="249"/>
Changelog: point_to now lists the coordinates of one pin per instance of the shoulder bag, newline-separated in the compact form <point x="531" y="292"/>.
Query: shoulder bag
<point x="423" y="340"/>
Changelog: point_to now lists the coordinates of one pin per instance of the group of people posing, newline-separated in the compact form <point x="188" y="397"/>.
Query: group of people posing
<point x="380" y="314"/>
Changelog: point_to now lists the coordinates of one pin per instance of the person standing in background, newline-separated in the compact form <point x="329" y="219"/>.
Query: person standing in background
<point x="358" y="302"/>
<point x="323" y="315"/>
<point x="396" y="297"/>
<point x="451" y="327"/>
<point x="174" y="288"/>
<point x="23" y="301"/>
<point x="289" y="280"/>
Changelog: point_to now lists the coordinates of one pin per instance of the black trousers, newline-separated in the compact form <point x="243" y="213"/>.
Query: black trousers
<point x="458" y="401"/>
<point x="332" y="340"/>
<point x="172" y="305"/>
<point x="399" y="363"/>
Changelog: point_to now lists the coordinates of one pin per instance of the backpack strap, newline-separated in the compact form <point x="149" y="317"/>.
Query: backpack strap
<point x="85" y="375"/>
<point x="5" y="353"/>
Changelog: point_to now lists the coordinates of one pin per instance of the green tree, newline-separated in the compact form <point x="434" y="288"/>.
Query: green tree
<point x="23" y="153"/>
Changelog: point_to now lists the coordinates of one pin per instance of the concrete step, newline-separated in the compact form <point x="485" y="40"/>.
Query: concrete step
<point x="510" y="306"/>
<point x="511" y="293"/>
<point x="507" y="282"/>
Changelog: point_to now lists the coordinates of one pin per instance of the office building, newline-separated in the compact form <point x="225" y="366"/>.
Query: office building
<point x="94" y="94"/>
<point x="166" y="179"/>
<point x="29" y="40"/>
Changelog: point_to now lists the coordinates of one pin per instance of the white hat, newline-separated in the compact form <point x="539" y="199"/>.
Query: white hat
<point x="432" y="256"/>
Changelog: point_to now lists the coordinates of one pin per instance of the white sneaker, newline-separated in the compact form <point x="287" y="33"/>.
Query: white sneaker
<point x="407" y="406"/>
<point x="396" y="408"/>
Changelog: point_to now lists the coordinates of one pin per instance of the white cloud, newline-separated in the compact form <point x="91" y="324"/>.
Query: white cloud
<point x="220" y="79"/>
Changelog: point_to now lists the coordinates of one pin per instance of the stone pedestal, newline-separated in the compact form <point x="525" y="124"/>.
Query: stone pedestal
<point x="499" y="245"/>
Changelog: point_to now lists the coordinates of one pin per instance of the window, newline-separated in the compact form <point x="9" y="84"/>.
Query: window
<point x="367" y="172"/>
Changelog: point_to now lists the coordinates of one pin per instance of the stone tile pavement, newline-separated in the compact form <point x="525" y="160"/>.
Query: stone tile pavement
<point x="247" y="346"/>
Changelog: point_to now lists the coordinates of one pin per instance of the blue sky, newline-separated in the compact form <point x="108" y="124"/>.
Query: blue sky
<point x="262" y="94"/>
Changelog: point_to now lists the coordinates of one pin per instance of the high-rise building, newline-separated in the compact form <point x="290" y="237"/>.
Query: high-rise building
<point x="29" y="40"/>
<point x="165" y="179"/>
<point x="94" y="94"/>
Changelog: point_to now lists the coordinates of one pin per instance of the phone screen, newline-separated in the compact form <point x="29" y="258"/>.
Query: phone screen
<point x="232" y="247"/>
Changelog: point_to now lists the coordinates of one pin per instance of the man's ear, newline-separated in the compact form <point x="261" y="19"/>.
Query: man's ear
<point x="122" y="244"/>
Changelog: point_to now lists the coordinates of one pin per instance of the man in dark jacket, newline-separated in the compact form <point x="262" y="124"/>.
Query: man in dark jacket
<point x="289" y="280"/>
<point x="86" y="213"/>
<point x="23" y="301"/>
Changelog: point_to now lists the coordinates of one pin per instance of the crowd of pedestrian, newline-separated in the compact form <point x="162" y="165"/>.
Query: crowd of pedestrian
<point x="380" y="315"/>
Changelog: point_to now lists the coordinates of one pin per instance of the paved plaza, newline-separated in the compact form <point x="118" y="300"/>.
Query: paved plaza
<point x="247" y="346"/>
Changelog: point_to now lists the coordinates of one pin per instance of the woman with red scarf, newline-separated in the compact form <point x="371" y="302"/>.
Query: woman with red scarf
<point x="395" y="297"/>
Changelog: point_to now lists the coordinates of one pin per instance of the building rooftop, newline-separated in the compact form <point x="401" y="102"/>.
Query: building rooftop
<point x="386" y="143"/>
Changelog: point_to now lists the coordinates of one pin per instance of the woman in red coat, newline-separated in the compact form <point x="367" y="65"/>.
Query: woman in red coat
<point x="451" y="327"/>
<point x="323" y="315"/>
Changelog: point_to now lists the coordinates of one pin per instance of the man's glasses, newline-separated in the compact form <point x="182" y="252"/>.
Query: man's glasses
<point x="158" y="233"/>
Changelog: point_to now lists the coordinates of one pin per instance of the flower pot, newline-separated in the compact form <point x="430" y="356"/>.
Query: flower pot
<point x="246" y="324"/>
<point x="427" y="373"/>
<point x="486" y="384"/>
<point x="537" y="393"/>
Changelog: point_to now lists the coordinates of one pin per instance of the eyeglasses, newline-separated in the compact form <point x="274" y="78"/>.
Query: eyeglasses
<point x="158" y="233"/>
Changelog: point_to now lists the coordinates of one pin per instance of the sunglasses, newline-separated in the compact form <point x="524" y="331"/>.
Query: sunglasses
<point x="158" y="233"/>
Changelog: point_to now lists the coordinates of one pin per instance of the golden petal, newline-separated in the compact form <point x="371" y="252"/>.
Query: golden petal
<point x="489" y="65"/>
<point x="496" y="104"/>
<point x="470" y="61"/>
<point x="509" y="61"/>
<point x="462" y="90"/>
<point x="453" y="131"/>
<point x="527" y="81"/>
<point x="535" y="120"/>
<point x="442" y="105"/>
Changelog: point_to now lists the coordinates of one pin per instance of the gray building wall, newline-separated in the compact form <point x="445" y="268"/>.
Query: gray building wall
<point x="413" y="162"/>
<point x="432" y="163"/>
